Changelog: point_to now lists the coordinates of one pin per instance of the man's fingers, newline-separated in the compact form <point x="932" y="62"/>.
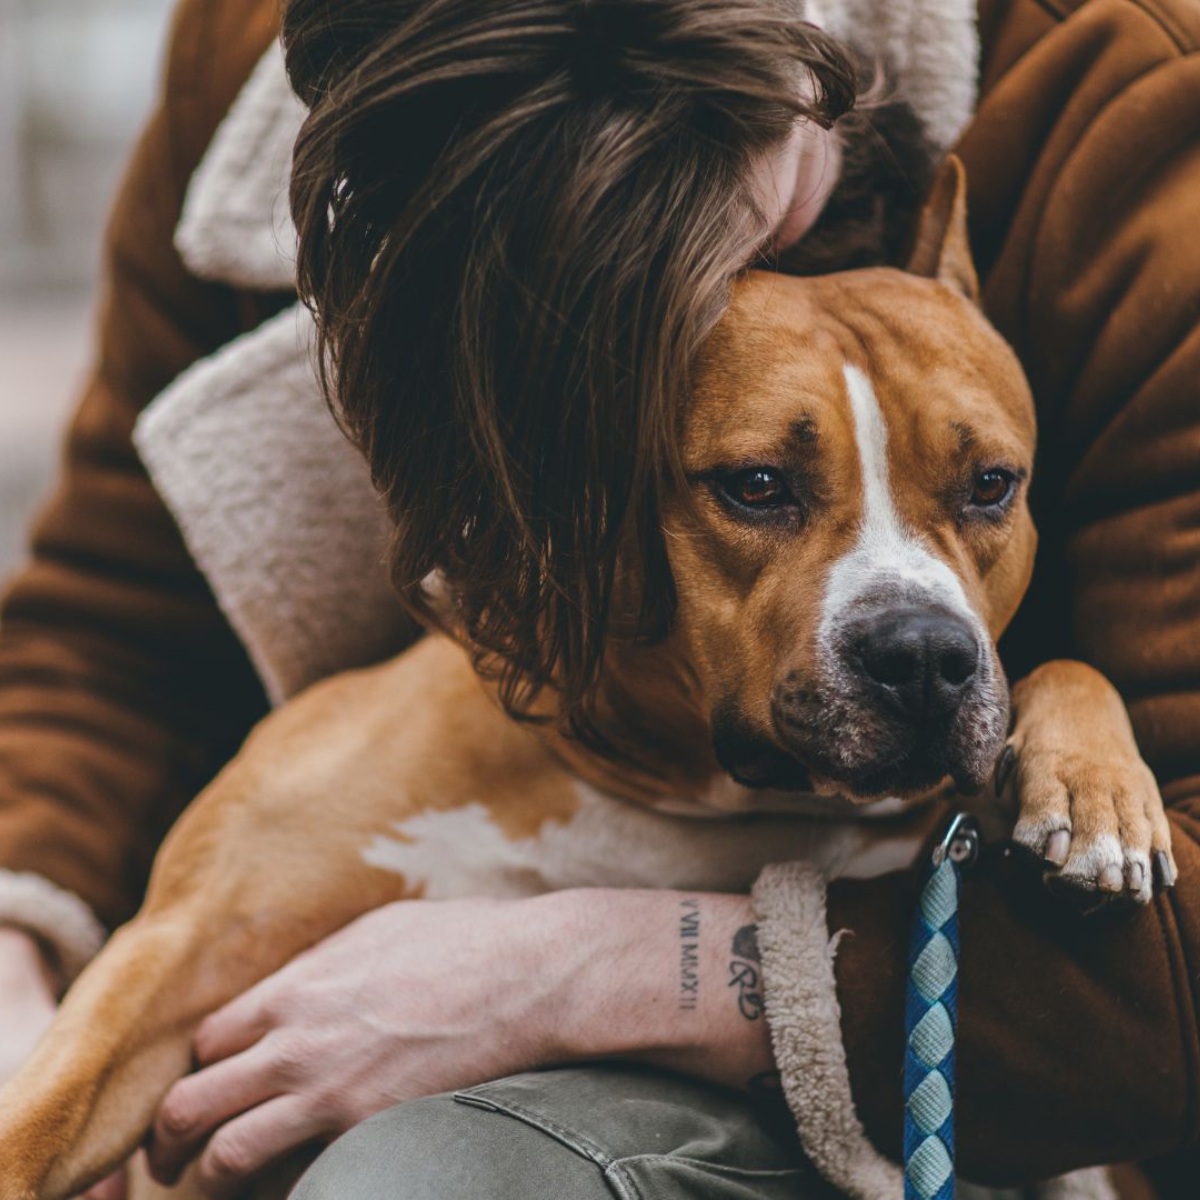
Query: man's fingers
<point x="237" y="1026"/>
<point x="198" y="1104"/>
<point x="251" y="1143"/>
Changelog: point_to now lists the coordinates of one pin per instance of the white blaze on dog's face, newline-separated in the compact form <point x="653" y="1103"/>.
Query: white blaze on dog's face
<point x="855" y="534"/>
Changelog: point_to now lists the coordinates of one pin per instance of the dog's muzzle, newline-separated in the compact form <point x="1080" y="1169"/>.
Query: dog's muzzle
<point x="913" y="695"/>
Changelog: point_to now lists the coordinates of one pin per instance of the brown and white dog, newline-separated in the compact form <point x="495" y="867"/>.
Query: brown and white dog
<point x="853" y="538"/>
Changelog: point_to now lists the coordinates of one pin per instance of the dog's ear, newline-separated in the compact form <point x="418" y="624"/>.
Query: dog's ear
<point x="941" y="250"/>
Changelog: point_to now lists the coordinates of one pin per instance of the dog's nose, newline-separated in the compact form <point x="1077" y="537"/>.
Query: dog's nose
<point x="919" y="658"/>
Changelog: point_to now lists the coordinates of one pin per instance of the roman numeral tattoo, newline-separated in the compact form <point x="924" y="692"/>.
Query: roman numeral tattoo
<point x="689" y="954"/>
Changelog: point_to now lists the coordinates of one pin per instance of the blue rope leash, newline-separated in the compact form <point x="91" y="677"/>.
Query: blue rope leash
<point x="931" y="1019"/>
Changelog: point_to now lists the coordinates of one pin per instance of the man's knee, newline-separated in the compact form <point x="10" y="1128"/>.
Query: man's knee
<point x="439" y="1149"/>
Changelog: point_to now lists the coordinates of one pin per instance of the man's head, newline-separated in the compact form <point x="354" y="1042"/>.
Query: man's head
<point x="518" y="221"/>
<point x="854" y="534"/>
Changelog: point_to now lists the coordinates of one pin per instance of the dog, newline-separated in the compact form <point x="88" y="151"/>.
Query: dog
<point x="852" y="537"/>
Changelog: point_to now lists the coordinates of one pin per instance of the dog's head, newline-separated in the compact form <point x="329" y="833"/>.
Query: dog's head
<point x="854" y="532"/>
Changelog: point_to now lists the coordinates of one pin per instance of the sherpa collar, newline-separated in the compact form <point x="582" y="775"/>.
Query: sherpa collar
<point x="276" y="509"/>
<point x="236" y="226"/>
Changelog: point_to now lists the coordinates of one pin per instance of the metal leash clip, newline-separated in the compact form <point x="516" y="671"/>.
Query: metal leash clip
<point x="962" y="842"/>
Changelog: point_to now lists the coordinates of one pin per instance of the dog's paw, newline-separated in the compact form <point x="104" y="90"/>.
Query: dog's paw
<point x="1097" y="825"/>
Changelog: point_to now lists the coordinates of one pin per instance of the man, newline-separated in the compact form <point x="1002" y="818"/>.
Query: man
<point x="122" y="686"/>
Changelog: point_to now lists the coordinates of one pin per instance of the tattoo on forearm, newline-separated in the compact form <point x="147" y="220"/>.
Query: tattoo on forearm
<point x="745" y="972"/>
<point x="689" y="954"/>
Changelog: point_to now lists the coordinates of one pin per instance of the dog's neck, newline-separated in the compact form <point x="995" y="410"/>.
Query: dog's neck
<point x="649" y="714"/>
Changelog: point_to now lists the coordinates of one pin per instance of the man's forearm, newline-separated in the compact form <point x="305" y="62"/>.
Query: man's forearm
<point x="669" y="978"/>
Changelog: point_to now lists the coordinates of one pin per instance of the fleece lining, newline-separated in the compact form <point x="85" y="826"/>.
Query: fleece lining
<point x="57" y="918"/>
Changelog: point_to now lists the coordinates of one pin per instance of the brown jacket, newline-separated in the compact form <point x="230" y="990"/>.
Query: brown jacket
<point x="122" y="689"/>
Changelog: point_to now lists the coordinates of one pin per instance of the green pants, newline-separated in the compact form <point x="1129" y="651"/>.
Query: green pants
<point x="589" y="1133"/>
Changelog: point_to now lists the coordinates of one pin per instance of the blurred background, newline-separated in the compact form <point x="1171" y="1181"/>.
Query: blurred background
<point x="76" y="79"/>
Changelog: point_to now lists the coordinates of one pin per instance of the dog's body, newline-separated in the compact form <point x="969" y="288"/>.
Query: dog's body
<point x="844" y="560"/>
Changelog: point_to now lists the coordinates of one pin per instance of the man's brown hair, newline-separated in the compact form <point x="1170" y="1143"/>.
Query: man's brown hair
<point x="517" y="221"/>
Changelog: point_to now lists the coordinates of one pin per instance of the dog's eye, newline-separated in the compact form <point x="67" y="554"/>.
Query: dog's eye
<point x="759" y="488"/>
<point x="992" y="488"/>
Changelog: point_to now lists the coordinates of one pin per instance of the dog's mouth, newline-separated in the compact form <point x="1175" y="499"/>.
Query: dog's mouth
<point x="860" y="752"/>
<point x="914" y="772"/>
<point x="869" y="753"/>
<point x="754" y="760"/>
<point x="756" y="763"/>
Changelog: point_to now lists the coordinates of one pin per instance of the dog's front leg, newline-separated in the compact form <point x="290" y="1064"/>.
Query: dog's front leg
<point x="265" y="863"/>
<point x="124" y="1033"/>
<point x="1088" y="805"/>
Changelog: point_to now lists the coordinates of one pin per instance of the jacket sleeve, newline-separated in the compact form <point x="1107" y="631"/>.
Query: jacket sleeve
<point x="1079" y="1039"/>
<point x="121" y="686"/>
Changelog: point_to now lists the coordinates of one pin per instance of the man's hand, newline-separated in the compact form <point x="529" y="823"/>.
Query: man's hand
<point x="27" y="1006"/>
<point x="423" y="997"/>
<point x="412" y="999"/>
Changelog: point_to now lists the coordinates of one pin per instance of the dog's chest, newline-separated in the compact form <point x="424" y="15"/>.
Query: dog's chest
<point x="609" y="842"/>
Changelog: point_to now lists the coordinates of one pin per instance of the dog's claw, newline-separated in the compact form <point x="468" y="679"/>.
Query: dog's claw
<point x="1137" y="877"/>
<point x="1111" y="879"/>
<point x="1058" y="847"/>
<point x="1164" y="874"/>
